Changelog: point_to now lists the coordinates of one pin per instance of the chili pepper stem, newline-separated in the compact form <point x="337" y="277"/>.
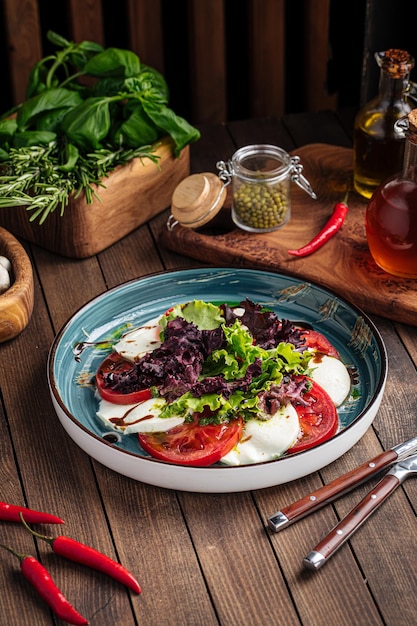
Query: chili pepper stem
<point x="80" y="553"/>
<point x="16" y="554"/>
<point x="34" y="533"/>
<point x="42" y="581"/>
<point x="345" y="197"/>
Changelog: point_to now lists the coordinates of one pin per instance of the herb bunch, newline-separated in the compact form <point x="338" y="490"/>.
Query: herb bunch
<point x="88" y="110"/>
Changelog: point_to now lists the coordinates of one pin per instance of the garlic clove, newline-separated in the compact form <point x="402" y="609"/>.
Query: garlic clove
<point x="4" y="279"/>
<point x="6" y="263"/>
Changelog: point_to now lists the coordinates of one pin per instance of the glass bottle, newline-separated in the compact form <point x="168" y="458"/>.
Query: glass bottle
<point x="391" y="214"/>
<point x="377" y="150"/>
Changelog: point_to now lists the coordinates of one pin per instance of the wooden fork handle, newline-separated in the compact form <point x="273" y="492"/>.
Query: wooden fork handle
<point x="327" y="493"/>
<point x="345" y="529"/>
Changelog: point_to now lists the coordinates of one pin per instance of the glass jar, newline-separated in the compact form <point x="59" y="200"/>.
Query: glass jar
<point x="391" y="214"/>
<point x="378" y="150"/>
<point x="260" y="177"/>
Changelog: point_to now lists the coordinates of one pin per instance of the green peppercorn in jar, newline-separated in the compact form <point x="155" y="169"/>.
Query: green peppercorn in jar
<point x="261" y="176"/>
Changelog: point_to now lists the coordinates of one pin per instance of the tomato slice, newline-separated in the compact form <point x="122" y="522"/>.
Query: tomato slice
<point x="116" y="363"/>
<point x="318" y="420"/>
<point x="192" y="444"/>
<point x="317" y="341"/>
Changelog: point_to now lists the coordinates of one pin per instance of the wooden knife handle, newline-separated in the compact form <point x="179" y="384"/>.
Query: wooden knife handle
<point x="327" y="493"/>
<point x="345" y="529"/>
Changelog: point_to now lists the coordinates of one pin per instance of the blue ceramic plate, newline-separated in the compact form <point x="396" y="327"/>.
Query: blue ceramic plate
<point x="136" y="302"/>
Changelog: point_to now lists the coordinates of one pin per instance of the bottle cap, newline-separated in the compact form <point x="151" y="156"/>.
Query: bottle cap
<point x="197" y="199"/>
<point x="395" y="62"/>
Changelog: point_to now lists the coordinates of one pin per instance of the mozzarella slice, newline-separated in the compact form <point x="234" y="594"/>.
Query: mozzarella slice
<point x="331" y="374"/>
<point x="265" y="440"/>
<point x="136" y="418"/>
<point x="137" y="342"/>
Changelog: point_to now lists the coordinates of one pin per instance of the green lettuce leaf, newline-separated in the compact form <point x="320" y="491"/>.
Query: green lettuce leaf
<point x="232" y="362"/>
<point x="204" y="315"/>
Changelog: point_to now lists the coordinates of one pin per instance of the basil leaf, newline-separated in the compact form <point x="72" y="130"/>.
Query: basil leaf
<point x="51" y="120"/>
<point x="88" y="123"/>
<point x="57" y="40"/>
<point x="113" y="62"/>
<point x="148" y="83"/>
<point x="157" y="80"/>
<point x="79" y="58"/>
<point x="72" y="154"/>
<point x="137" y="130"/>
<point x="108" y="86"/>
<point x="89" y="47"/>
<point x="7" y="130"/>
<point x="47" y="100"/>
<point x="180" y="130"/>
<point x="32" y="138"/>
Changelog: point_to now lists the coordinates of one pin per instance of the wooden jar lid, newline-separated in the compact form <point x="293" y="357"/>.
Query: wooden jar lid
<point x="197" y="199"/>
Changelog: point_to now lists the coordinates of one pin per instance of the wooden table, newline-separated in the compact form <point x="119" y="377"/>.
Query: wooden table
<point x="202" y="560"/>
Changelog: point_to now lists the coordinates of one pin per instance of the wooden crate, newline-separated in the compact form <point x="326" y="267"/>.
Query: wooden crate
<point x="134" y="193"/>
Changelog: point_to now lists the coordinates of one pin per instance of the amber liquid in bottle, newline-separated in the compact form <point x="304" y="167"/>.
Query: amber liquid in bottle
<point x="391" y="227"/>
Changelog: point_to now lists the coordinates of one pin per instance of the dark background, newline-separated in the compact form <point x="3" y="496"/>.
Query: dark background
<point x="357" y="30"/>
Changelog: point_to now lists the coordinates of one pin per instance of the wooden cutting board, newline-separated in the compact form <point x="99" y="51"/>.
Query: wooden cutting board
<point x="343" y="264"/>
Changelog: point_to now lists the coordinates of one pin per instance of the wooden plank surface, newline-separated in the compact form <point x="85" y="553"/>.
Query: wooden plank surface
<point x="146" y="33"/>
<point x="207" y="60"/>
<point x="50" y="480"/>
<point x="86" y="20"/>
<point x="201" y="558"/>
<point x="317" y="55"/>
<point x="266" y="24"/>
<point x="217" y="56"/>
<point x="24" y="43"/>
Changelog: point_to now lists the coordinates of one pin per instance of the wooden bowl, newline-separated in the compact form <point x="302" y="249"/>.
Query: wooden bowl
<point x="16" y="303"/>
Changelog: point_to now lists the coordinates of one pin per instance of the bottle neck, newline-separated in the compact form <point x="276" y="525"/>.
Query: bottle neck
<point x="410" y="159"/>
<point x="392" y="89"/>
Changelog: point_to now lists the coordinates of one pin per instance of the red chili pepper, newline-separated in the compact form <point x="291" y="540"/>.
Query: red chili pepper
<point x="80" y="553"/>
<point x="11" y="513"/>
<point x="333" y="225"/>
<point x="41" y="579"/>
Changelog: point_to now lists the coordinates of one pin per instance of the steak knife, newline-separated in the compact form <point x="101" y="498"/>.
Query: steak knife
<point x="341" y="485"/>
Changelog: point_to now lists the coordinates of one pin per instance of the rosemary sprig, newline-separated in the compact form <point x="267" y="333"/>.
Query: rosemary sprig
<point x="33" y="176"/>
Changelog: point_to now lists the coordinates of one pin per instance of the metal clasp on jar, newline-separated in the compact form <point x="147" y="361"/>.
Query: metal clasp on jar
<point x="225" y="172"/>
<point x="299" y="179"/>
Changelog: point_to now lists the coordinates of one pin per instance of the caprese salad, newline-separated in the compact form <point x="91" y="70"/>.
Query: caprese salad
<point x="235" y="385"/>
